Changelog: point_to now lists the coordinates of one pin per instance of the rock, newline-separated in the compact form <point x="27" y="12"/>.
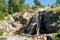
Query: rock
<point x="11" y="18"/>
<point x="31" y="30"/>
<point x="7" y="26"/>
<point x="17" y="17"/>
<point x="21" y="19"/>
<point x="15" y="14"/>
<point x="27" y="16"/>
<point x="40" y="10"/>
<point x="1" y="27"/>
<point x="19" y="28"/>
<point x="51" y="36"/>
<point x="17" y="25"/>
<point x="40" y="22"/>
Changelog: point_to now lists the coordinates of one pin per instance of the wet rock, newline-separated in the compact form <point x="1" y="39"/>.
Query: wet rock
<point x="49" y="38"/>
<point x="43" y="28"/>
<point x="54" y="17"/>
<point x="31" y="29"/>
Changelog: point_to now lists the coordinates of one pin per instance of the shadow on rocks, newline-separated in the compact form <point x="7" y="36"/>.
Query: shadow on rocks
<point x="49" y="38"/>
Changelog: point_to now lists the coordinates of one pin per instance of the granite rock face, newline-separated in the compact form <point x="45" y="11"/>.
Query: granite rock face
<point x="44" y="20"/>
<point x="40" y="22"/>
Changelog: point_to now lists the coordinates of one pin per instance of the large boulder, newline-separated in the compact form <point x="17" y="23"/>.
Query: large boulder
<point x="16" y="25"/>
<point x="27" y="16"/>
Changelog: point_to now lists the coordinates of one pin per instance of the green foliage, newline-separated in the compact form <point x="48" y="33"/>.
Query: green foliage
<point x="52" y="6"/>
<point x="56" y="9"/>
<point x="37" y="2"/>
<point x="58" y="31"/>
<point x="14" y="6"/>
<point x="3" y="6"/>
<point x="22" y="5"/>
<point x="57" y="38"/>
<point x="58" y="21"/>
<point x="1" y="16"/>
<point x="2" y="31"/>
<point x="22" y="2"/>
<point x="27" y="7"/>
<point x="3" y="9"/>
<point x="57" y="2"/>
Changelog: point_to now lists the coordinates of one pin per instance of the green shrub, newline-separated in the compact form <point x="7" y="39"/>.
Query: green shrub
<point x="57" y="21"/>
<point x="57" y="38"/>
<point x="58" y="31"/>
<point x="56" y="9"/>
<point x="3" y="15"/>
<point x="2" y="32"/>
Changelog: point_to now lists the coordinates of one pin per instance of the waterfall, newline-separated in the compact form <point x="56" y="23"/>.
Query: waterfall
<point x="42" y="19"/>
<point x="38" y="23"/>
<point x="36" y="19"/>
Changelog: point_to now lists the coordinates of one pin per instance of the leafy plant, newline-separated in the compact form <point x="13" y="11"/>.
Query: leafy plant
<point x="57" y="38"/>
<point x="2" y="31"/>
<point x="56" y="9"/>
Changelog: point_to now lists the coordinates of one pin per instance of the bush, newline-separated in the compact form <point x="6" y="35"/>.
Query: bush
<point x="56" y="9"/>
<point x="2" y="32"/>
<point x="3" y="15"/>
<point x="57" y="38"/>
<point x="58" y="31"/>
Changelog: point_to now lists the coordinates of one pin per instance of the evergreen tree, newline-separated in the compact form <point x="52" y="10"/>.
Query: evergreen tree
<point x="3" y="6"/>
<point x="22" y="1"/>
<point x="57" y="2"/>
<point x="37" y="3"/>
<point x="14" y="6"/>
<point x="3" y="9"/>
<point x="22" y="5"/>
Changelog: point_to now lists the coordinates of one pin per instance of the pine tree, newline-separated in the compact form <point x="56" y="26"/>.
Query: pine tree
<point x="37" y="3"/>
<point x="14" y="6"/>
<point x="57" y="2"/>
<point x="3" y="6"/>
<point x="22" y="5"/>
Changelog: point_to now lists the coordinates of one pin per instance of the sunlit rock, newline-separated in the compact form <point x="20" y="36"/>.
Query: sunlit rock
<point x="11" y="18"/>
<point x="27" y="16"/>
<point x="51" y="36"/>
<point x="7" y="26"/>
<point x="17" y="25"/>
